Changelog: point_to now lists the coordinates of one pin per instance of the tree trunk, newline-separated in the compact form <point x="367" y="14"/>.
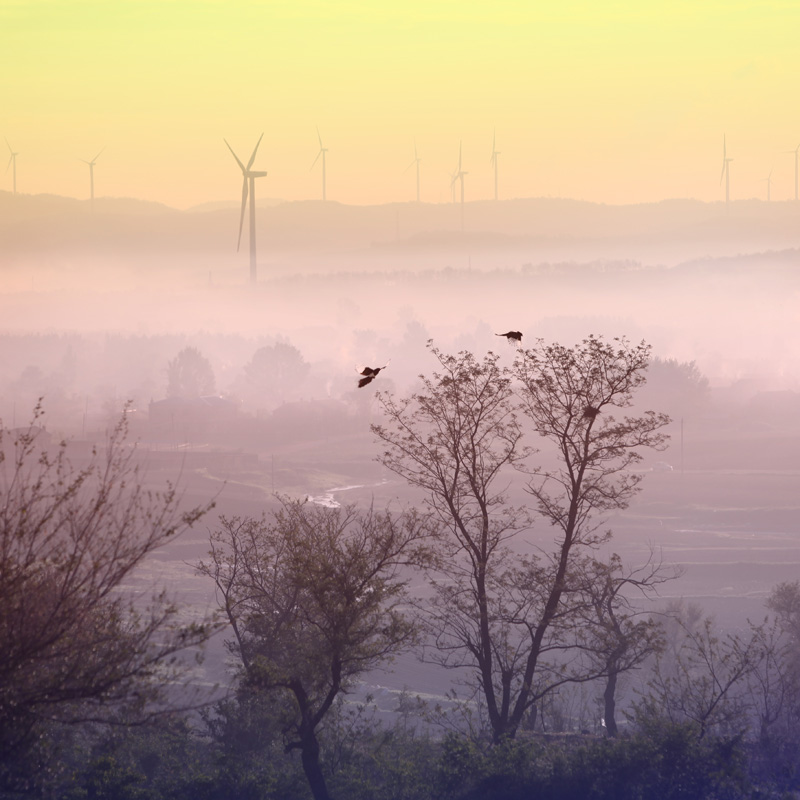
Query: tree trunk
<point x="610" y="704"/>
<point x="310" y="757"/>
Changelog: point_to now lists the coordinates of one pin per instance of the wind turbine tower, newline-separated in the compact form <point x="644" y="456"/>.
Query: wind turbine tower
<point x="415" y="161"/>
<point x="322" y="151"/>
<point x="249" y="187"/>
<point x="458" y="175"/>
<point x="12" y="162"/>
<point x="726" y="174"/>
<point x="91" y="176"/>
<point x="768" y="181"/>
<point x="493" y="159"/>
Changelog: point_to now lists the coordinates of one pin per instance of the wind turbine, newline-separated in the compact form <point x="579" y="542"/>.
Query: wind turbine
<point x="249" y="185"/>
<point x="13" y="161"/>
<point x="768" y="180"/>
<point x="322" y="151"/>
<point x="795" y="151"/>
<point x="91" y="175"/>
<point x="458" y="175"/>
<point x="415" y="161"/>
<point x="726" y="174"/>
<point x="493" y="159"/>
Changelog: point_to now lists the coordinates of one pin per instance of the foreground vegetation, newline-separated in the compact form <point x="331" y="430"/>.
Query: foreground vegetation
<point x="237" y="752"/>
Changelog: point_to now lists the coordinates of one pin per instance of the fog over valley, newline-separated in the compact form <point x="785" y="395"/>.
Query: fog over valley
<point x="246" y="395"/>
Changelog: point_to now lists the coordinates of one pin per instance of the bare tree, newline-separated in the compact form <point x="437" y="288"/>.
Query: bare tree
<point x="457" y="439"/>
<point x="314" y="597"/>
<point x="75" y="646"/>
<point x="614" y="635"/>
<point x="701" y="678"/>
<point x="570" y="395"/>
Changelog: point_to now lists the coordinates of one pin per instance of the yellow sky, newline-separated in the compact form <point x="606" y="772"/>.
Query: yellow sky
<point x="618" y="101"/>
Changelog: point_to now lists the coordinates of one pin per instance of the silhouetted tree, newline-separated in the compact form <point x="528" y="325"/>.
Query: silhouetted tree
<point x="506" y="615"/>
<point x="614" y="636"/>
<point x="570" y="395"/>
<point x="190" y="374"/>
<point x="75" y="646"/>
<point x="678" y="387"/>
<point x="274" y="372"/>
<point x="700" y="678"/>
<point x="453" y="439"/>
<point x="314" y="597"/>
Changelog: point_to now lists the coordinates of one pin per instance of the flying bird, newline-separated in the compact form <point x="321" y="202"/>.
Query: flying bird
<point x="369" y="373"/>
<point x="511" y="336"/>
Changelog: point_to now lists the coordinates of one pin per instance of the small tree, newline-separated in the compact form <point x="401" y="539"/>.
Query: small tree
<point x="614" y="636"/>
<point x="314" y="597"/>
<point x="701" y="677"/>
<point x="74" y="646"/>
<point x="275" y="371"/>
<point x="190" y="374"/>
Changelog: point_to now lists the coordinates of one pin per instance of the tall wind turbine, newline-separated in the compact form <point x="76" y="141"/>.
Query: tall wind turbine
<point x="458" y="175"/>
<point x="415" y="161"/>
<point x="768" y="181"/>
<point x="795" y="151"/>
<point x="249" y="186"/>
<point x="493" y="159"/>
<point x="91" y="175"/>
<point x="12" y="162"/>
<point x="322" y="151"/>
<point x="726" y="173"/>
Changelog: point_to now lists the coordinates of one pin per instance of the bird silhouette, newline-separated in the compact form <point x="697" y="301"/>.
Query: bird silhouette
<point x="369" y="373"/>
<point x="511" y="336"/>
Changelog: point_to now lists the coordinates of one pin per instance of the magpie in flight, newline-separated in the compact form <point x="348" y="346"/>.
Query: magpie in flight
<point x="511" y="336"/>
<point x="369" y="373"/>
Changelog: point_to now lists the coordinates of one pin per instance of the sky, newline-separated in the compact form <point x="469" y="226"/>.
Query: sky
<point x="614" y="102"/>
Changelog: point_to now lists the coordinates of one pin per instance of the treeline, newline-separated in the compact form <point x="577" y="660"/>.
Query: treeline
<point x="311" y="599"/>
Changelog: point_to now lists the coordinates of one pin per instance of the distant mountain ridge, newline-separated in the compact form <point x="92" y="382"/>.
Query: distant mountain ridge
<point x="544" y="228"/>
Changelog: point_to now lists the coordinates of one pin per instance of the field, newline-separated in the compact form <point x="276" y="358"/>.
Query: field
<point x="728" y="519"/>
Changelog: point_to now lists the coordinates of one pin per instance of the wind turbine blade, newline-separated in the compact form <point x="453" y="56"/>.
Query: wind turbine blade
<point x="98" y="155"/>
<point x="317" y="158"/>
<point x="459" y="156"/>
<point x="9" y="147"/>
<point x="320" y="139"/>
<point x="241" y="218"/>
<point x="410" y="165"/>
<point x="253" y="157"/>
<point x="241" y="166"/>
